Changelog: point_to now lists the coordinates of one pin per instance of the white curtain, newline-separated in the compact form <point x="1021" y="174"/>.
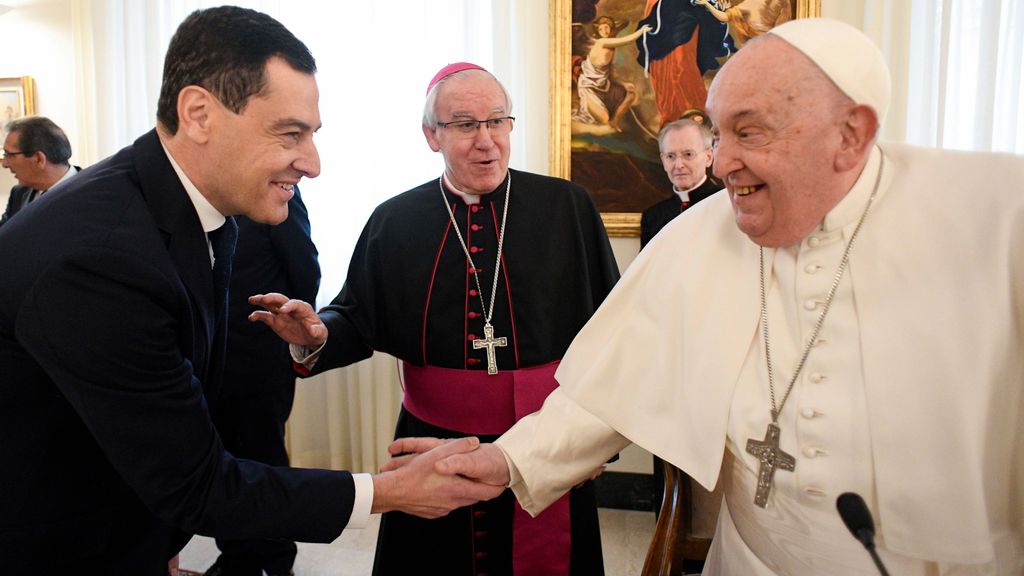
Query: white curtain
<point x="956" y="69"/>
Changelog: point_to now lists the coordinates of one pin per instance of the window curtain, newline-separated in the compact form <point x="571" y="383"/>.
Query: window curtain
<point x="956" y="68"/>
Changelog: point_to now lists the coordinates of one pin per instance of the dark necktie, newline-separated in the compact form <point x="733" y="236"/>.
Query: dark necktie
<point x="222" y="240"/>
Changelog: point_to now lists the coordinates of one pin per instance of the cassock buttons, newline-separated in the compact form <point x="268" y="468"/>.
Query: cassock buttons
<point x="814" y="241"/>
<point x="812" y="452"/>
<point x="809" y="413"/>
<point x="478" y="513"/>
<point x="471" y="337"/>
<point x="475" y="249"/>
<point x="473" y="292"/>
<point x="476" y="227"/>
<point x="810" y="304"/>
<point x="473" y="362"/>
<point x="816" y="378"/>
<point x="472" y="314"/>
<point x="475" y="208"/>
<point x="812" y="268"/>
<point x="481" y="555"/>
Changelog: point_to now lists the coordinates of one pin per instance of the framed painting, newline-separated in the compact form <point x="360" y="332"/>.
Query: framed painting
<point x="621" y="69"/>
<point x="16" y="99"/>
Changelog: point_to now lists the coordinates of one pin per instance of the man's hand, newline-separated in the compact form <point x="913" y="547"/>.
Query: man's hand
<point x="486" y="464"/>
<point x="413" y="484"/>
<point x="294" y="321"/>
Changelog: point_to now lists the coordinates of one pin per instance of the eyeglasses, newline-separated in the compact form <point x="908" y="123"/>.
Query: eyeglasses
<point x="9" y="154"/>
<point x="685" y="155"/>
<point x="496" y="126"/>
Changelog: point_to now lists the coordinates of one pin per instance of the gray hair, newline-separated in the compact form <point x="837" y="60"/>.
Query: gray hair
<point x="705" y="133"/>
<point x="40" y="134"/>
<point x="430" y="106"/>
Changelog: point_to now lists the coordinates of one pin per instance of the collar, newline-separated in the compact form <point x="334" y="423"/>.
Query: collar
<point x="209" y="217"/>
<point x="71" y="171"/>
<point x="684" y="195"/>
<point x="468" y="199"/>
<point x="850" y="208"/>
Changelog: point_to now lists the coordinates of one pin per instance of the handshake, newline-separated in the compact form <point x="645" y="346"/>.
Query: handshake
<point x="430" y="477"/>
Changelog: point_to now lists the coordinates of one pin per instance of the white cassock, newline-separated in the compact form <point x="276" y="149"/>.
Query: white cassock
<point x="912" y="397"/>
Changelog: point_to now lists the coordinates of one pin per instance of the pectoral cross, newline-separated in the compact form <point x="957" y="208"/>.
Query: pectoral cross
<point x="490" y="342"/>
<point x="772" y="458"/>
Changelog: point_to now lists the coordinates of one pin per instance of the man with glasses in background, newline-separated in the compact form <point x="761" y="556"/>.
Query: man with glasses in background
<point x="36" y="151"/>
<point x="685" y="147"/>
<point x="477" y="281"/>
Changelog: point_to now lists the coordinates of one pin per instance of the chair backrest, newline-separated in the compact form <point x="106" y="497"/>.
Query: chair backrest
<point x="674" y="547"/>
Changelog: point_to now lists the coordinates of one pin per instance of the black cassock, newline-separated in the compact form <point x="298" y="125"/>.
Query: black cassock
<point x="411" y="293"/>
<point x="657" y="216"/>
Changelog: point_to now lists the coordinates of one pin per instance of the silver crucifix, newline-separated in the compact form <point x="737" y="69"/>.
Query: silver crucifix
<point x="772" y="458"/>
<point x="490" y="342"/>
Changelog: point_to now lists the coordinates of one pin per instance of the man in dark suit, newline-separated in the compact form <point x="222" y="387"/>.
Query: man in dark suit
<point x="685" y="147"/>
<point x="112" y="334"/>
<point x="259" y="382"/>
<point x="36" y="151"/>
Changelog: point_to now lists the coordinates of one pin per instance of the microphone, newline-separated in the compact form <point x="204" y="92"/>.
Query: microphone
<point x="857" y="517"/>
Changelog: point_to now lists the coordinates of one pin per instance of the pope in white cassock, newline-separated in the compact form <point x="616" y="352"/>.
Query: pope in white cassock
<point x="860" y="303"/>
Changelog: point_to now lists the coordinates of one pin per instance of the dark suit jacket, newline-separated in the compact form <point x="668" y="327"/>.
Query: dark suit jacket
<point x="106" y="346"/>
<point x="19" y="198"/>
<point x="279" y="258"/>
<point x="657" y="216"/>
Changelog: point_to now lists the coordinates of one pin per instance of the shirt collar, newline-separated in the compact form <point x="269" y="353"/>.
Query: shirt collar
<point x="71" y="171"/>
<point x="684" y="195"/>
<point x="467" y="198"/>
<point x="209" y="217"/>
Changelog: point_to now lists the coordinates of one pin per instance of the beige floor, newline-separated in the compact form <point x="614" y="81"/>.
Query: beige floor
<point x="624" y="536"/>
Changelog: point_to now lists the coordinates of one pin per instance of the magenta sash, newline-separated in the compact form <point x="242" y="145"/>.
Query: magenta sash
<point x="473" y="402"/>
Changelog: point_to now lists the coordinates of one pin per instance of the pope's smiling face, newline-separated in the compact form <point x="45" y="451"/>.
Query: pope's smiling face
<point x="777" y="136"/>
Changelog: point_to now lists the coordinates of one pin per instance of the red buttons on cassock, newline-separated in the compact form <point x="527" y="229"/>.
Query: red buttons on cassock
<point x="476" y="227"/>
<point x="480" y="534"/>
<point x="473" y="362"/>
<point x="481" y="555"/>
<point x="473" y="292"/>
<point x="475" y="249"/>
<point x="471" y="337"/>
<point x="473" y="314"/>
<point x="475" y="208"/>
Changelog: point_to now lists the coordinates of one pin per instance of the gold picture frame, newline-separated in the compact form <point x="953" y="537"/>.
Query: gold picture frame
<point x="625" y="13"/>
<point x="17" y="99"/>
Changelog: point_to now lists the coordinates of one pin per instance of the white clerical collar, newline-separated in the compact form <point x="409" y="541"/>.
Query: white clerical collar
<point x="850" y="208"/>
<point x="684" y="195"/>
<point x="467" y="198"/>
<point x="209" y="217"/>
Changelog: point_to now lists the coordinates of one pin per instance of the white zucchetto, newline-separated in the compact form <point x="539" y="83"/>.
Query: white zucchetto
<point x="846" y="55"/>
